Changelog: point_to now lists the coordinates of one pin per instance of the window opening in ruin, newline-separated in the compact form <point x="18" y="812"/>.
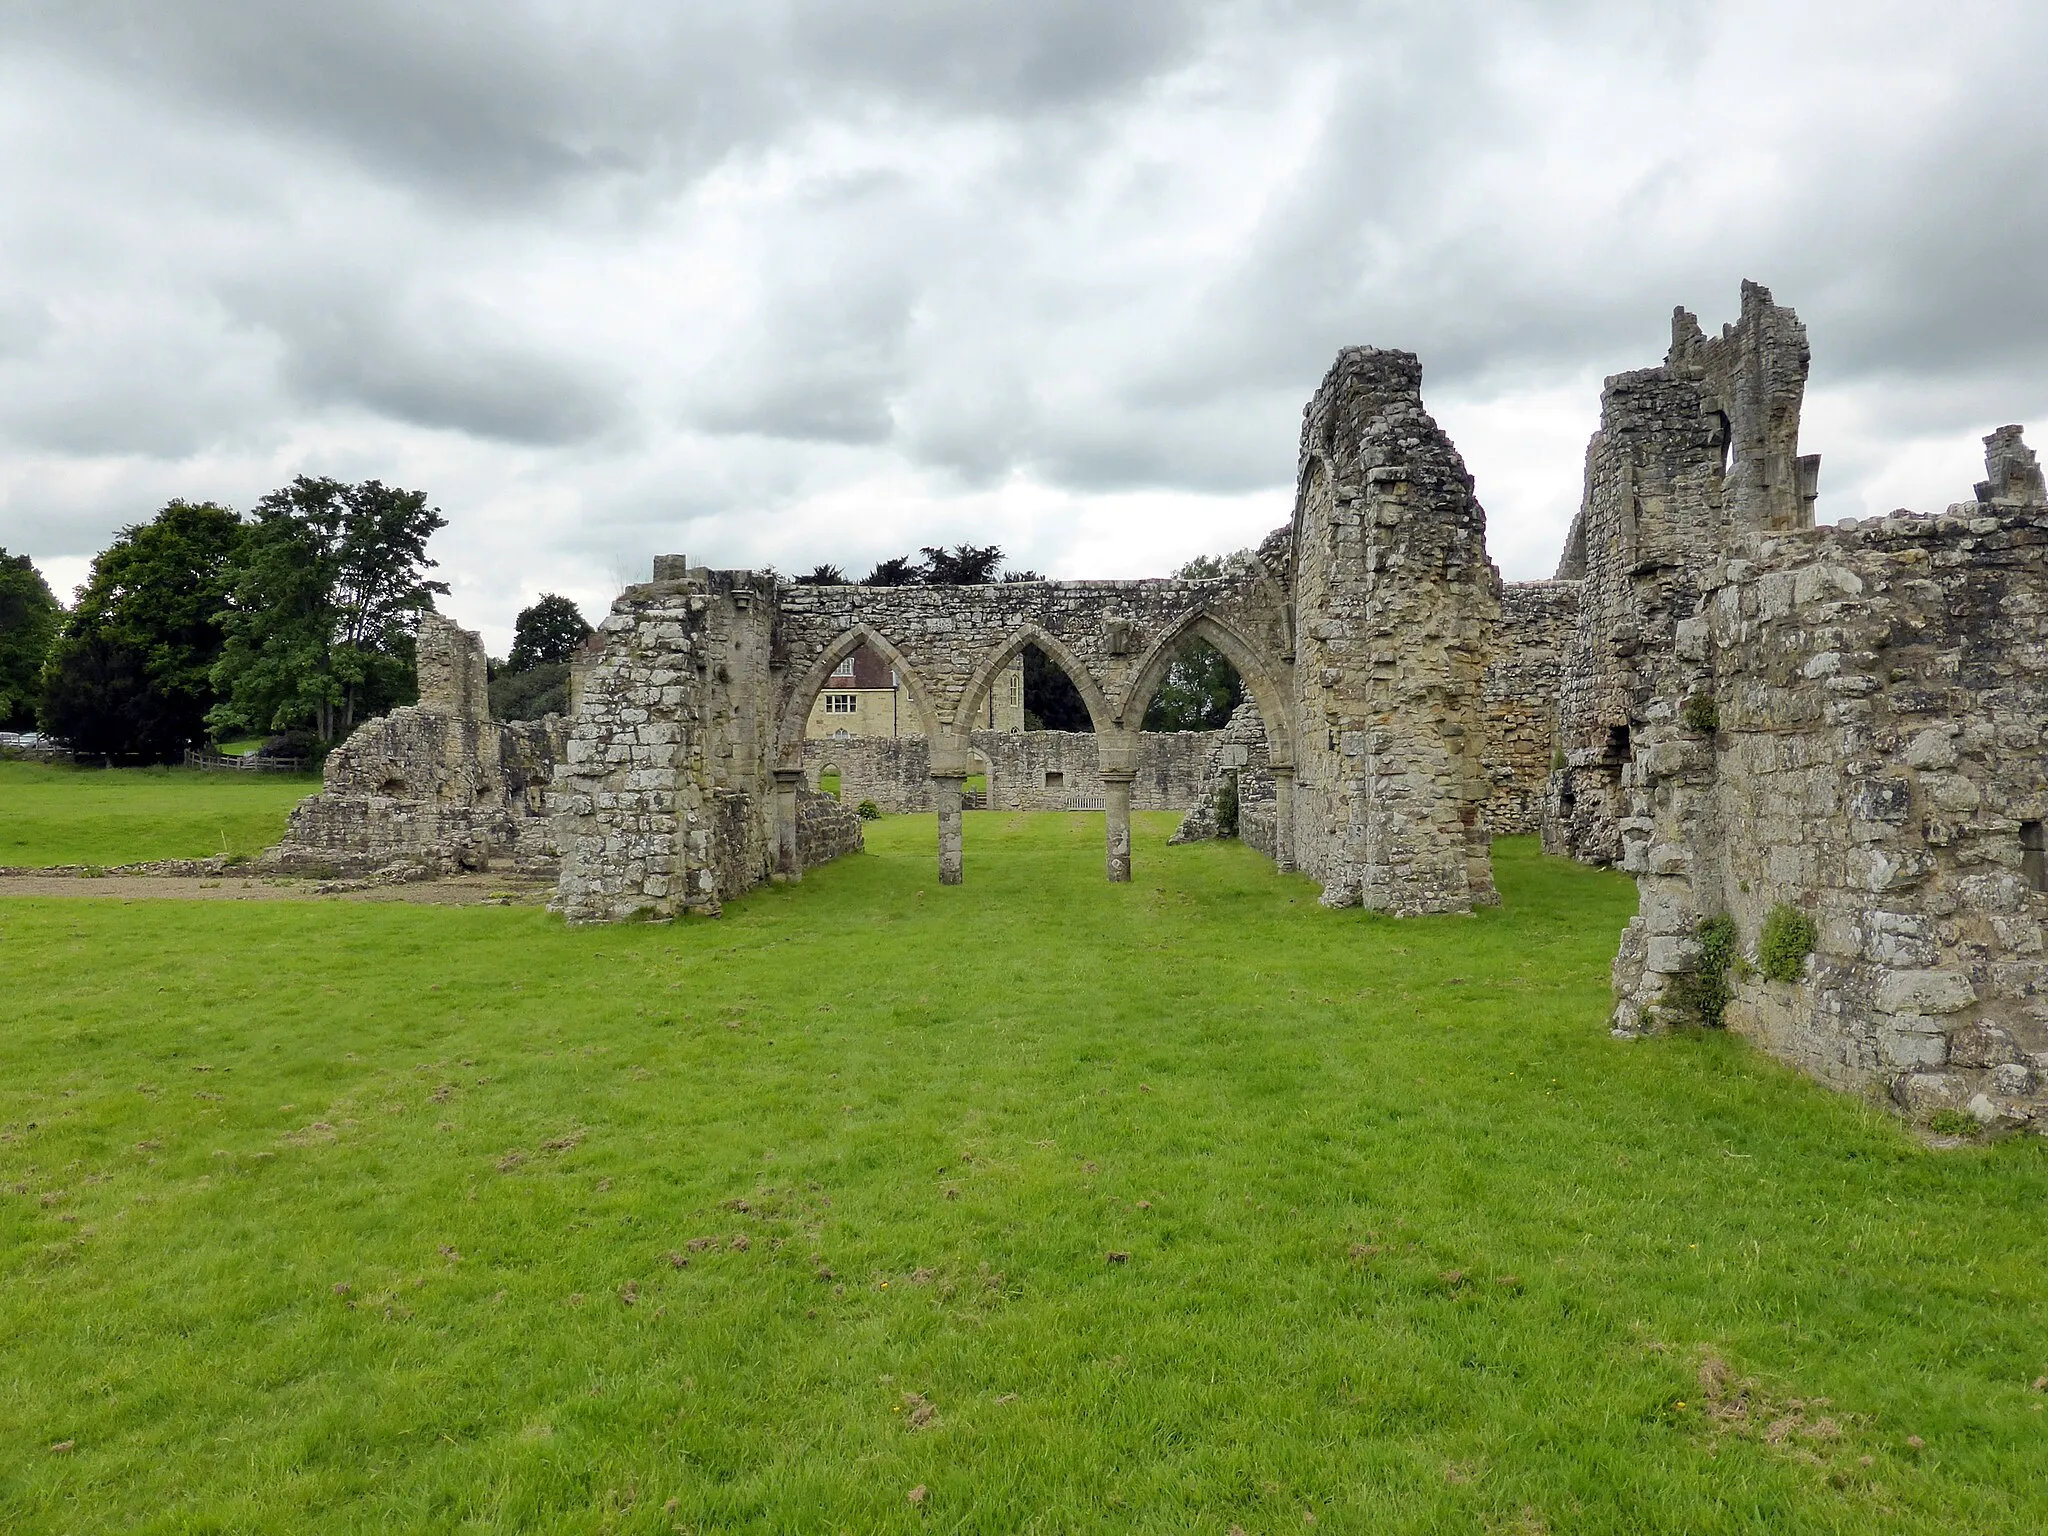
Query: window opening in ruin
<point x="1198" y="693"/>
<point x="1051" y="701"/>
<point x="2034" y="854"/>
<point x="1056" y="779"/>
<point x="394" y="789"/>
<point x="1617" y="743"/>
<point x="1726" y="446"/>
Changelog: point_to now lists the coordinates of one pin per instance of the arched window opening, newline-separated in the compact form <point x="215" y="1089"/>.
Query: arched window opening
<point x="1051" y="701"/>
<point x="1198" y="693"/>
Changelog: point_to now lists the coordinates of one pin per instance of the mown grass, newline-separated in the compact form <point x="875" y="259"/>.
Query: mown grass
<point x="358" y="1217"/>
<point x="127" y="815"/>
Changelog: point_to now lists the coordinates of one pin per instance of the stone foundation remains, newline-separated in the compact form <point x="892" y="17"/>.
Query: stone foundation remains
<point x="435" y="787"/>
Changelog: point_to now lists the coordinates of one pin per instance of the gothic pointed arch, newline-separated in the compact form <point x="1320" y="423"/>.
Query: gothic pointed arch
<point x="1261" y="678"/>
<point x="983" y="678"/>
<point x="789" y="737"/>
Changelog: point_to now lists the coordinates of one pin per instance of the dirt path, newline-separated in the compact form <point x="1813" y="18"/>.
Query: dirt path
<point x="467" y="891"/>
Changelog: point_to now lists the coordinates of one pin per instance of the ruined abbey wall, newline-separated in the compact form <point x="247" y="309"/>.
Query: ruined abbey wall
<point x="1397" y="611"/>
<point x="1844" y="724"/>
<point x="433" y="788"/>
<point x="1519" y="695"/>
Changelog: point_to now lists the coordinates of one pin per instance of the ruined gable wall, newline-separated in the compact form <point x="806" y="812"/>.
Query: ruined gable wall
<point x="1688" y="457"/>
<point x="1396" y="612"/>
<point x="433" y="787"/>
<point x="1520" y="697"/>
<point x="1882" y="693"/>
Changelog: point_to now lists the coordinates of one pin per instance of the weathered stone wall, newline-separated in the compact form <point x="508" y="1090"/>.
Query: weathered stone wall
<point x="895" y="773"/>
<point x="434" y="787"/>
<point x="664" y="800"/>
<point x="1688" y="456"/>
<point x="826" y="828"/>
<point x="1238" y="752"/>
<point x="1520" y="698"/>
<point x="1397" y="612"/>
<point x="1882" y="702"/>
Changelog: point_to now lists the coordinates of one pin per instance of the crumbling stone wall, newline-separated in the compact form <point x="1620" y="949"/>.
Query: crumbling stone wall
<point x="1873" y="757"/>
<point x="435" y="787"/>
<point x="895" y="772"/>
<point x="1397" y="612"/>
<point x="1689" y="456"/>
<point x="664" y="801"/>
<point x="1519" y="693"/>
<point x="1239" y="754"/>
<point x="826" y="828"/>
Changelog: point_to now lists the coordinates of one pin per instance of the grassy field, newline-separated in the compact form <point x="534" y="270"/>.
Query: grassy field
<point x="127" y="815"/>
<point x="1036" y="1204"/>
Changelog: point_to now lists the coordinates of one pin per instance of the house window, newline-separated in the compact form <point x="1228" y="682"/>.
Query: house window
<point x="841" y="703"/>
<point x="844" y="669"/>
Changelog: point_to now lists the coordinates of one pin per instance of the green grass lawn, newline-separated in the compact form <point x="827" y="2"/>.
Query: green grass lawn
<point x="1178" y="1206"/>
<point x="126" y="815"/>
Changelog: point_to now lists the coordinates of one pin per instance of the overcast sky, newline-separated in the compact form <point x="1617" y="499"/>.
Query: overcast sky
<point x="781" y="283"/>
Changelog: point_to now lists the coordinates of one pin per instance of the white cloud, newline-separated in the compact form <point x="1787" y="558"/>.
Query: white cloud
<point x="808" y="281"/>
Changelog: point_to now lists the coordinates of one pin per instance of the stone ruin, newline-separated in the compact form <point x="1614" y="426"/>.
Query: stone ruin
<point x="1746" y="712"/>
<point x="1844" y="722"/>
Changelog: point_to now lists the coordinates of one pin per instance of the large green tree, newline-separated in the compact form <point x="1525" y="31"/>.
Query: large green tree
<point x="549" y="631"/>
<point x="326" y="596"/>
<point x="29" y="617"/>
<point x="130" y="673"/>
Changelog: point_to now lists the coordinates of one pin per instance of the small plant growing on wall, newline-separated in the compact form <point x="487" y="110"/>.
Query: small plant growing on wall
<point x="1787" y="939"/>
<point x="1700" y="713"/>
<point x="1701" y="995"/>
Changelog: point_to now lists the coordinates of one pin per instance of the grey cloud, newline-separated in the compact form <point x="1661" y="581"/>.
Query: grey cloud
<point x="427" y="359"/>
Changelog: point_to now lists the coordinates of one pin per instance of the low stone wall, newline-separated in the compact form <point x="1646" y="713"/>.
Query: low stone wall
<point x="1027" y="770"/>
<point x="826" y="828"/>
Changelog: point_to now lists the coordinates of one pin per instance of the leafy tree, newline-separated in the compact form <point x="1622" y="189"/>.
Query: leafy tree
<point x="830" y="576"/>
<point x="131" y="673"/>
<point x="896" y="571"/>
<point x="29" y="616"/>
<point x="541" y="690"/>
<point x="549" y="631"/>
<point x="1198" y="693"/>
<point x="1201" y="568"/>
<point x="964" y="565"/>
<point x="327" y="591"/>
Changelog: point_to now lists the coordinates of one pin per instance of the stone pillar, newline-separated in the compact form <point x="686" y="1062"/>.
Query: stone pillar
<point x="946" y="796"/>
<point x="788" y="855"/>
<point x="1116" y="805"/>
<point x="1283" y="816"/>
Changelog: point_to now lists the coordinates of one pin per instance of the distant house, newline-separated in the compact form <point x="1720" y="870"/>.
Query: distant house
<point x="864" y="697"/>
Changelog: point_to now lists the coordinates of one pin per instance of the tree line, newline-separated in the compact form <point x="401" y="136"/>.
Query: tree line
<point x="296" y="622"/>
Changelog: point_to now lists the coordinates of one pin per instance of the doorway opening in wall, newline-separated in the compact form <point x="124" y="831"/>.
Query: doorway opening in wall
<point x="828" y="780"/>
<point x="1198" y="693"/>
<point x="1051" y="701"/>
